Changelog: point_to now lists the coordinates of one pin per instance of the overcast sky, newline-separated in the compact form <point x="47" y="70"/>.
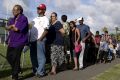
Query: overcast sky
<point x="97" y="13"/>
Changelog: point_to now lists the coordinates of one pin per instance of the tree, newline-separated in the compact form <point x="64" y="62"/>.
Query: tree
<point x="104" y="29"/>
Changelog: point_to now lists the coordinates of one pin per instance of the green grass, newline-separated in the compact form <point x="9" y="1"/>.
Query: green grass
<point x="5" y="71"/>
<point x="111" y="74"/>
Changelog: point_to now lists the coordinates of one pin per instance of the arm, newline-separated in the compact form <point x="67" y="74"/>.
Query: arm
<point x="21" y="25"/>
<point x="43" y="35"/>
<point x="9" y="27"/>
<point x="14" y="28"/>
<point x="89" y="34"/>
<point x="9" y="24"/>
<point x="62" y="31"/>
<point x="94" y="39"/>
<point x="78" y="33"/>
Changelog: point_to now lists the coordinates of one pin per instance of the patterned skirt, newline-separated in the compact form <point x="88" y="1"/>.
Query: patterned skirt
<point x="57" y="55"/>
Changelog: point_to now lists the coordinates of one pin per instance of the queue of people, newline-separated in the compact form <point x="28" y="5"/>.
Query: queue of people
<point x="55" y="41"/>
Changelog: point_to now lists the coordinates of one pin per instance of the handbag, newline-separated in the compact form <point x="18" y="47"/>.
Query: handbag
<point x="78" y="46"/>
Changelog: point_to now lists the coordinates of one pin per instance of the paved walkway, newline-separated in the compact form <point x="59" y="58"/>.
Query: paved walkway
<point x="85" y="74"/>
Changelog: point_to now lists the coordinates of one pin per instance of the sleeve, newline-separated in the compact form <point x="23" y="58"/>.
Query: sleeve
<point x="9" y="22"/>
<point x="59" y="26"/>
<point x="22" y="24"/>
<point x="87" y="29"/>
<point x="46" y="24"/>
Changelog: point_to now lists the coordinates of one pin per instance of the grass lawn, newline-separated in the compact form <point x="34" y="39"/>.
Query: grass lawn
<point x="5" y="70"/>
<point x="110" y="74"/>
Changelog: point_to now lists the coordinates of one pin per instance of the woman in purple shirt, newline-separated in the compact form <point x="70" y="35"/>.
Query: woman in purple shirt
<point x="17" y="39"/>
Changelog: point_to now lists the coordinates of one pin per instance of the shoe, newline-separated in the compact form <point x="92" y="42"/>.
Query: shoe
<point x="40" y="76"/>
<point x="15" y="78"/>
<point x="81" y="68"/>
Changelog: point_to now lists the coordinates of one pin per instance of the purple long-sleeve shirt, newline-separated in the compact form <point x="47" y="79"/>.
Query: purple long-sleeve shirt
<point x="20" y="37"/>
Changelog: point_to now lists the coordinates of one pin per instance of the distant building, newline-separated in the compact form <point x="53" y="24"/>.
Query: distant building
<point x="3" y="22"/>
<point x="3" y="33"/>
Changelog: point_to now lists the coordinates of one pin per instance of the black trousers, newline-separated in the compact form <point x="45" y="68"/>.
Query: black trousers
<point x="13" y="57"/>
<point x="33" y="55"/>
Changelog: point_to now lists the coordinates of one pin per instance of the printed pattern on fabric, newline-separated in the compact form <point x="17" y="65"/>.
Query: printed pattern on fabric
<point x="57" y="55"/>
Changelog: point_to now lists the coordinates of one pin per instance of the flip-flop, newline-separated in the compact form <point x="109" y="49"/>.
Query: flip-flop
<point x="52" y="73"/>
<point x="75" y="69"/>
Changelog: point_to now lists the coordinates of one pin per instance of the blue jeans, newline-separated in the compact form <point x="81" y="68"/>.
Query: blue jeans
<point x="41" y="57"/>
<point x="33" y="55"/>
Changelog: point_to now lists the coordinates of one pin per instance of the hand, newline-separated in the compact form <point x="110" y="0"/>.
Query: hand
<point x="84" y="40"/>
<point x="40" y="39"/>
<point x="13" y="26"/>
<point x="76" y="43"/>
<point x="9" y="27"/>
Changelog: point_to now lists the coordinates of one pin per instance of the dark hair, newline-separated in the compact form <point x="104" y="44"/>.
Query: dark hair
<point x="54" y="13"/>
<point x="97" y="31"/>
<point x="106" y="31"/>
<point x="20" y="8"/>
<point x="73" y="23"/>
<point x="51" y="16"/>
<point x="64" y="18"/>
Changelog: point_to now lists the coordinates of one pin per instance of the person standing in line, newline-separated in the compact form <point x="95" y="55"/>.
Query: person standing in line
<point x="84" y="35"/>
<point x="55" y="38"/>
<point x="41" y="23"/>
<point x="97" y="41"/>
<point x="33" y="35"/>
<point x="66" y="28"/>
<point x="74" y="38"/>
<point x="17" y="39"/>
<point x="103" y="49"/>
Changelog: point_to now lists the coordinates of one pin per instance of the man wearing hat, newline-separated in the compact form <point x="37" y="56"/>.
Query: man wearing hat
<point x="41" y="23"/>
<point x="84" y="35"/>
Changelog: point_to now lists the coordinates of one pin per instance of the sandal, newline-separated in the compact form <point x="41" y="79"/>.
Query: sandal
<point x="52" y="73"/>
<point x="75" y="69"/>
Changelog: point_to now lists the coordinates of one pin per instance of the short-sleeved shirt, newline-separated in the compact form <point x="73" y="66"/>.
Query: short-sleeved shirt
<point x="40" y="24"/>
<point x="84" y="30"/>
<point x="66" y="27"/>
<point x="18" y="38"/>
<point x="54" y="36"/>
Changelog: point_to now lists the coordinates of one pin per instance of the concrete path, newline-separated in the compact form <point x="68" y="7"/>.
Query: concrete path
<point x="85" y="74"/>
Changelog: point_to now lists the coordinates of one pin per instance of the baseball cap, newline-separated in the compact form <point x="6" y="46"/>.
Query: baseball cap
<point x="80" y="18"/>
<point x="42" y="7"/>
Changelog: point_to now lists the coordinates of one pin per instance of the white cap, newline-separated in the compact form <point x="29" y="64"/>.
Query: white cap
<point x="80" y="18"/>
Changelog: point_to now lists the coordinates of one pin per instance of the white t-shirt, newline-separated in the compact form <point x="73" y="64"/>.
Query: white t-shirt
<point x="39" y="25"/>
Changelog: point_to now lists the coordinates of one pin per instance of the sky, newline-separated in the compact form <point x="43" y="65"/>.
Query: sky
<point x="96" y="13"/>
